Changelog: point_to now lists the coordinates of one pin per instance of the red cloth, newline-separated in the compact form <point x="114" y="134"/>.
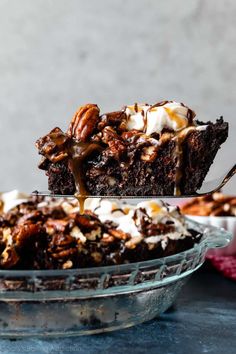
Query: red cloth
<point x="225" y="264"/>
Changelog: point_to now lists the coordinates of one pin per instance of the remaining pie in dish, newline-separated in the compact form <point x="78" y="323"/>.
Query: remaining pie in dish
<point x="46" y="233"/>
<point x="143" y="149"/>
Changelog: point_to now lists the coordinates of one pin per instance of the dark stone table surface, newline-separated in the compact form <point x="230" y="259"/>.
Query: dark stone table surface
<point x="203" y="320"/>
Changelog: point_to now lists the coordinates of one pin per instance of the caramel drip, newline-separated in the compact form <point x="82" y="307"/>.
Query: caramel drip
<point x="180" y="138"/>
<point x="181" y="123"/>
<point x="81" y="201"/>
<point x="1" y="206"/>
<point x="79" y="151"/>
<point x="155" y="207"/>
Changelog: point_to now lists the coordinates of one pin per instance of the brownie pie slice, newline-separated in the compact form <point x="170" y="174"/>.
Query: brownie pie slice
<point x="142" y="150"/>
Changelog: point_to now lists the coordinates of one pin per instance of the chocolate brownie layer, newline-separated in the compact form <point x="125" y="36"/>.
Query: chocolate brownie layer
<point x="105" y="158"/>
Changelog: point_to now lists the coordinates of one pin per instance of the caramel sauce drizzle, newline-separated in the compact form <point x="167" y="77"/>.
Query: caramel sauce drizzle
<point x="181" y="123"/>
<point x="78" y="152"/>
<point x="179" y="139"/>
<point x="180" y="136"/>
<point x="155" y="207"/>
<point x="1" y="206"/>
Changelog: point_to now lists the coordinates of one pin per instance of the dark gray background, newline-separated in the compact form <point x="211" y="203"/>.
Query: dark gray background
<point x="56" y="55"/>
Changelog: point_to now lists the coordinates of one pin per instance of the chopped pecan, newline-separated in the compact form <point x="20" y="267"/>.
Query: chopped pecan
<point x="130" y="134"/>
<point x="116" y="145"/>
<point x="116" y="148"/>
<point x="56" y="225"/>
<point x="32" y="216"/>
<point x="119" y="234"/>
<point x="87" y="222"/>
<point x="97" y="257"/>
<point x="117" y="119"/>
<point x="53" y="146"/>
<point x="109" y="134"/>
<point x="9" y="257"/>
<point x="61" y="240"/>
<point x="62" y="248"/>
<point x="106" y="238"/>
<point x="64" y="253"/>
<point x="149" y="153"/>
<point x="67" y="265"/>
<point x="133" y="242"/>
<point x="93" y="234"/>
<point x="84" y="122"/>
<point x="78" y="235"/>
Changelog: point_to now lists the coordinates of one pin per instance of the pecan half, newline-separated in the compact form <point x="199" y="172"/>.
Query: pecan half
<point x="84" y="122"/>
<point x="22" y="233"/>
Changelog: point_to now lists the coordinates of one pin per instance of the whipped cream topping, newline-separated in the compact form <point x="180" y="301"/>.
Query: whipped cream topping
<point x="153" y="119"/>
<point x="123" y="215"/>
<point x="11" y="199"/>
<point x="118" y="212"/>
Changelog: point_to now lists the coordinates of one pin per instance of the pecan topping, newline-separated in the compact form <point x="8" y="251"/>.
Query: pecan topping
<point x="133" y="242"/>
<point x="149" y="153"/>
<point x="23" y="232"/>
<point x="117" y="119"/>
<point x="84" y="122"/>
<point x="106" y="238"/>
<point x="53" y="146"/>
<point x="62" y="247"/>
<point x="56" y="225"/>
<point x="9" y="257"/>
<point x="87" y="222"/>
<point x="119" y="234"/>
<point x="117" y="148"/>
<point x="109" y="134"/>
<point x="131" y="134"/>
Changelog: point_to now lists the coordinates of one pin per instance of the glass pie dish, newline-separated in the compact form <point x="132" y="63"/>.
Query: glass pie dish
<point x="95" y="300"/>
